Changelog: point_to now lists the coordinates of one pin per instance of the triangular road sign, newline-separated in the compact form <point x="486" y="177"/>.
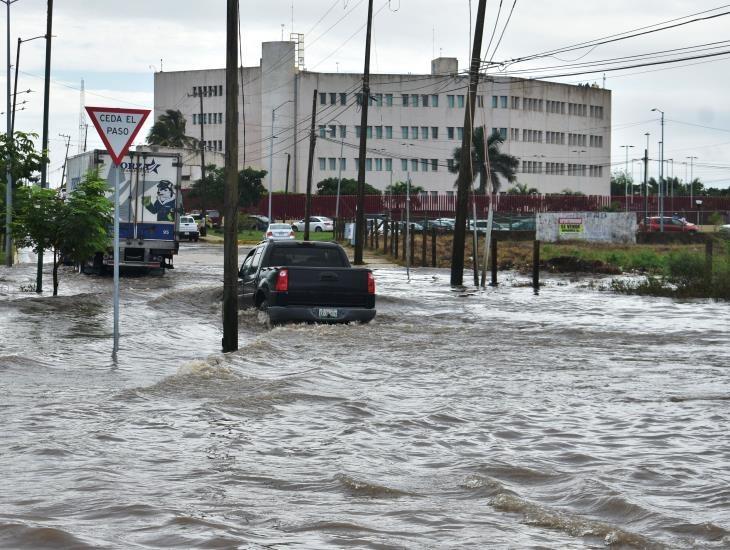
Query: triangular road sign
<point x="117" y="128"/>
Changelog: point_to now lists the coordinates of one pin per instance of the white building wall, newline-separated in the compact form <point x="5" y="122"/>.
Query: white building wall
<point x="276" y="84"/>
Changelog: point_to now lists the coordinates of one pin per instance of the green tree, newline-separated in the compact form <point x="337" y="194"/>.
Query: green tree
<point x="522" y="189"/>
<point x="169" y="131"/>
<point x="75" y="228"/>
<point x="620" y="182"/>
<point x="348" y="187"/>
<point x="399" y="188"/>
<point x="572" y="193"/>
<point x="250" y="186"/>
<point x="500" y="164"/>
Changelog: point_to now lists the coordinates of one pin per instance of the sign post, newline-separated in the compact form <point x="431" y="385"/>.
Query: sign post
<point x="117" y="128"/>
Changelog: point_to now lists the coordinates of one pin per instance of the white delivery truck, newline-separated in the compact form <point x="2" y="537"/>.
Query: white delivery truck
<point x="150" y="204"/>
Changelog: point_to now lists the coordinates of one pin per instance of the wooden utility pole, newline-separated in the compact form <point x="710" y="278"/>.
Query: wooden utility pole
<point x="230" y="202"/>
<point x="360" y="214"/>
<point x="312" y="142"/>
<point x="465" y="180"/>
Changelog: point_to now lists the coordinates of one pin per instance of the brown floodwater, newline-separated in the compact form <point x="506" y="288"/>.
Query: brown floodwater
<point x="577" y="418"/>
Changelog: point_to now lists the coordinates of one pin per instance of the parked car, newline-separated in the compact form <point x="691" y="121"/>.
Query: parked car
<point x="187" y="228"/>
<point x="725" y="230"/>
<point x="215" y="218"/>
<point x="415" y="226"/>
<point x="440" y="225"/>
<point x="316" y="223"/>
<point x="482" y="226"/>
<point x="671" y="225"/>
<point x="279" y="231"/>
<point x="255" y="222"/>
<point x="198" y="217"/>
<point x="306" y="281"/>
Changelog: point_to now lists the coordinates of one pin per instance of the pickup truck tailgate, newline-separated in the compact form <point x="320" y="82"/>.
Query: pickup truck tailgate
<point x="324" y="286"/>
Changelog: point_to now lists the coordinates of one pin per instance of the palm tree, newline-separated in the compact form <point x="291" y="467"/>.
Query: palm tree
<point x="522" y="189"/>
<point x="169" y="131"/>
<point x="499" y="163"/>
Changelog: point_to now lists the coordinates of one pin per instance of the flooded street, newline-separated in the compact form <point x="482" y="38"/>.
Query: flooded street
<point x="573" y="419"/>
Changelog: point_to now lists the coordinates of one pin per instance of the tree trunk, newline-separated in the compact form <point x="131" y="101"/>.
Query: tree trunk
<point x="55" y="272"/>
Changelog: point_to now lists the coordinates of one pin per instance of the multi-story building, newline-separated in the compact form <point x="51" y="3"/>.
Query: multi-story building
<point x="560" y="133"/>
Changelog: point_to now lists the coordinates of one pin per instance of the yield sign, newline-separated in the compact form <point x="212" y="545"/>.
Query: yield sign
<point x="117" y="128"/>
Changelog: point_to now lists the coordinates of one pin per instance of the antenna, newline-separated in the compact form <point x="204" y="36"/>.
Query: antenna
<point x="82" y="119"/>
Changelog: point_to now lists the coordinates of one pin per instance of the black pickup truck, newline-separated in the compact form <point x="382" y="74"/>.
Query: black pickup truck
<point x="306" y="281"/>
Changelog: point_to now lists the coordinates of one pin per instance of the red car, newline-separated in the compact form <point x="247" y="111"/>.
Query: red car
<point x="673" y="225"/>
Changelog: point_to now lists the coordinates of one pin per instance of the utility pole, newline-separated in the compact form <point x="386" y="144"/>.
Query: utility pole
<point x="691" y="180"/>
<point x="65" y="158"/>
<point x="339" y="177"/>
<point x="661" y="175"/>
<point x="44" y="146"/>
<point x="286" y="184"/>
<point x="646" y="180"/>
<point x="201" y="122"/>
<point x="626" y="175"/>
<point x="8" y="172"/>
<point x="360" y="219"/>
<point x="230" y="203"/>
<point x="464" y="181"/>
<point x="312" y="142"/>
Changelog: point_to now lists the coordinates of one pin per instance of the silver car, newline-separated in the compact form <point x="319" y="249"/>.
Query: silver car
<point x="279" y="232"/>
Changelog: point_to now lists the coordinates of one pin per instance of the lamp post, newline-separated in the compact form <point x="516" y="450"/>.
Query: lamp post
<point x="661" y="175"/>
<point x="271" y="152"/>
<point x="408" y="216"/>
<point x="646" y="179"/>
<point x="691" y="178"/>
<point x="698" y="202"/>
<point x="339" y="170"/>
<point x="626" y="174"/>
<point x="15" y="85"/>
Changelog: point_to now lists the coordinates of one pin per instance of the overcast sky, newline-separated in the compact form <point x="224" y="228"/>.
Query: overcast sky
<point x="116" y="47"/>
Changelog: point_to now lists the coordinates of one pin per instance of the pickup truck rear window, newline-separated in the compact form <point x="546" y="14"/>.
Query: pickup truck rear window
<point x="306" y="257"/>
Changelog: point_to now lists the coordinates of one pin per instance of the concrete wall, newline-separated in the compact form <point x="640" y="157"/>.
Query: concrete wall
<point x="611" y="227"/>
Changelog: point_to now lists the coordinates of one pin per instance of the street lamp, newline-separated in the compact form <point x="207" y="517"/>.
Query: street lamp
<point x="271" y="152"/>
<point x="691" y="177"/>
<point x="15" y="85"/>
<point x="626" y="176"/>
<point x="408" y="216"/>
<point x="698" y="202"/>
<point x="661" y="175"/>
<point x="339" y="170"/>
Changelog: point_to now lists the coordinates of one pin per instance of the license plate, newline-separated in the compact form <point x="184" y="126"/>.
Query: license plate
<point x="327" y="313"/>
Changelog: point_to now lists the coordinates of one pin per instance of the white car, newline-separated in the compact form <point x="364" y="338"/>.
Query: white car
<point x="316" y="223"/>
<point x="725" y="230"/>
<point x="187" y="228"/>
<point x="279" y="232"/>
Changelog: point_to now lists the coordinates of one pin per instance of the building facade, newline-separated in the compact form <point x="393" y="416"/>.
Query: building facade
<point x="560" y="133"/>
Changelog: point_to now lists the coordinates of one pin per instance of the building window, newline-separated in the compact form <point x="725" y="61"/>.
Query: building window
<point x="434" y="165"/>
<point x="424" y="165"/>
<point x="434" y="132"/>
<point x="378" y="132"/>
<point x="322" y="98"/>
<point x="414" y="165"/>
<point x="333" y="98"/>
<point x="404" y="164"/>
<point x="460" y="133"/>
<point x="503" y="101"/>
<point x="379" y="100"/>
<point x="388" y="132"/>
<point x="414" y="132"/>
<point x="370" y="132"/>
<point x="368" y="165"/>
<point x="450" y="164"/>
<point x="450" y="132"/>
<point x="343" y="131"/>
<point x="333" y="163"/>
<point x="424" y="100"/>
<point x="450" y="99"/>
<point x="515" y="102"/>
<point x="503" y="133"/>
<point x="495" y="99"/>
<point x="414" y="100"/>
<point x="322" y="163"/>
<point x="359" y="98"/>
<point x="404" y="132"/>
<point x="405" y="100"/>
<point x="388" y="165"/>
<point x="434" y="100"/>
<point x="424" y="132"/>
<point x="343" y="164"/>
<point x="378" y="165"/>
<point x="480" y="101"/>
<point x="220" y="144"/>
<point x="343" y="98"/>
<point x="389" y="100"/>
<point x="357" y="131"/>
<point x="322" y="130"/>
<point x="333" y="131"/>
<point x="460" y="101"/>
<point x="195" y="118"/>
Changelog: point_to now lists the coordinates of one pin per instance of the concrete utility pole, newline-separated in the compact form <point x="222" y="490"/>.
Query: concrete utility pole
<point x="464" y="181"/>
<point x="65" y="158"/>
<point x="360" y="219"/>
<point x="646" y="179"/>
<point x="661" y="176"/>
<point x="312" y="142"/>
<point x="44" y="146"/>
<point x="230" y="205"/>
<point x="691" y="180"/>
<point x="201" y="122"/>
<point x="8" y="171"/>
<point x="271" y="154"/>
<point x="626" y="174"/>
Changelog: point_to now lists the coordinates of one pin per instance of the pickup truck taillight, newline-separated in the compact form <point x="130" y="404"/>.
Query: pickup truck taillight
<point x="282" y="281"/>
<point x="269" y="234"/>
<point x="371" y="283"/>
